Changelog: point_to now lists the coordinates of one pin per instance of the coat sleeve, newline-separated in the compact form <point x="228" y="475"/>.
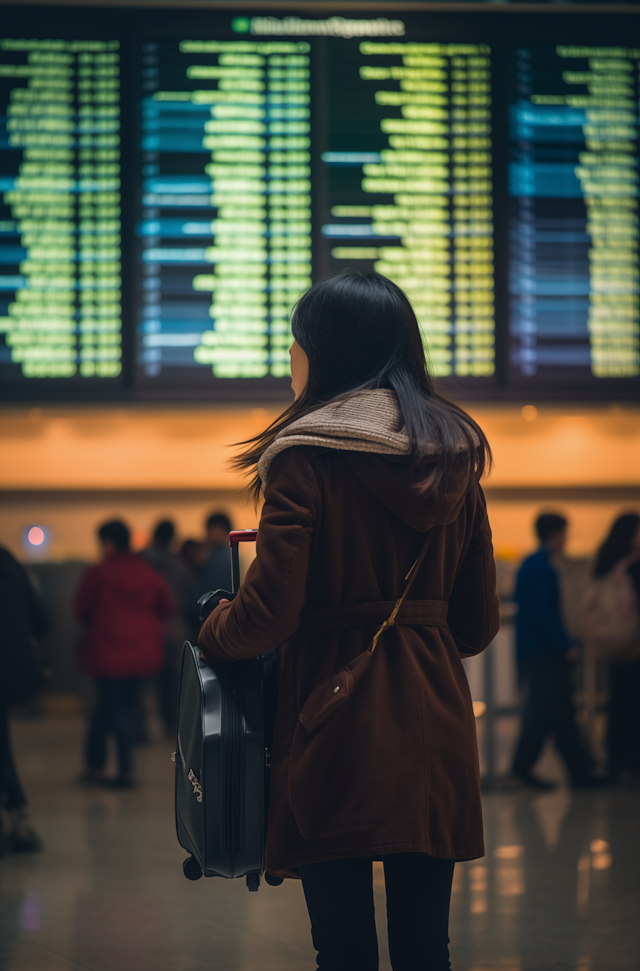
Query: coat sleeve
<point x="474" y="606"/>
<point x="266" y="610"/>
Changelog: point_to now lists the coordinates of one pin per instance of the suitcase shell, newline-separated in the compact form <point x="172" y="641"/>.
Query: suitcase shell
<point x="220" y="767"/>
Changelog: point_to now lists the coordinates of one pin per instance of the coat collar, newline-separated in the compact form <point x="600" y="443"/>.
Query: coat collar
<point x="367" y="421"/>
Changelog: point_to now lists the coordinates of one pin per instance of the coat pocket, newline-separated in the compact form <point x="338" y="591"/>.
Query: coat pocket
<point x="329" y="696"/>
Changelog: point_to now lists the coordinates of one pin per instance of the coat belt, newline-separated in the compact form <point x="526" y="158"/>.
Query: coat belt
<point x="412" y="613"/>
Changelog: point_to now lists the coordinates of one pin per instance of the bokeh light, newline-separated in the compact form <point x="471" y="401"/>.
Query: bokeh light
<point x="36" y="536"/>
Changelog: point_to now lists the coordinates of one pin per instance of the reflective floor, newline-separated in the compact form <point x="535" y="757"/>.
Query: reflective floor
<point x="559" y="889"/>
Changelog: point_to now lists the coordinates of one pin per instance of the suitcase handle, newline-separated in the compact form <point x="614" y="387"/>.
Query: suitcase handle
<point x="242" y="536"/>
<point x="209" y="601"/>
<point x="239" y="536"/>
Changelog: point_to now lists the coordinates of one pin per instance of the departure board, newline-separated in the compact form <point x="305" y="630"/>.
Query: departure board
<point x="225" y="233"/>
<point x="226" y="222"/>
<point x="60" y="271"/>
<point x="573" y="182"/>
<point x="153" y="245"/>
<point x="409" y="159"/>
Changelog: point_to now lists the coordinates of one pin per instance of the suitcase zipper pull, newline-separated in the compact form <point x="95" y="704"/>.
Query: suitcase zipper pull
<point x="267" y="758"/>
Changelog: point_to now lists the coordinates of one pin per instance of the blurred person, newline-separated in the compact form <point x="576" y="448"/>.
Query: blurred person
<point x="176" y="574"/>
<point x="371" y="481"/>
<point x="612" y="616"/>
<point x="124" y="605"/>
<point x="192" y="554"/>
<point x="24" y="621"/>
<point x="215" y="570"/>
<point x="545" y="654"/>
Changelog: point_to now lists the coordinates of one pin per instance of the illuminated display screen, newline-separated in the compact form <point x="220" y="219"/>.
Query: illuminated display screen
<point x="573" y="182"/>
<point x="410" y="186"/>
<point x="152" y="245"/>
<point x="225" y="233"/>
<point x="60" y="270"/>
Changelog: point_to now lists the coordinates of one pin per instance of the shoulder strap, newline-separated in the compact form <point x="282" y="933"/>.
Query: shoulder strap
<point x="410" y="577"/>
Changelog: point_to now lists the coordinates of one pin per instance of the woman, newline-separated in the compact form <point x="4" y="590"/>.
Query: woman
<point x="374" y="755"/>
<point x="616" y="562"/>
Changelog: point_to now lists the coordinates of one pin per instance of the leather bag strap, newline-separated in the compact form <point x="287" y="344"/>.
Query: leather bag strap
<point x="410" y="577"/>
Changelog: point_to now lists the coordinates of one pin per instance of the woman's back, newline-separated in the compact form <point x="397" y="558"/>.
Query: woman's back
<point x="610" y="606"/>
<point x="372" y="524"/>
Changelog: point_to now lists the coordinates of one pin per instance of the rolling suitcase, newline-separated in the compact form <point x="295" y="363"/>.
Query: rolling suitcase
<point x="225" y="726"/>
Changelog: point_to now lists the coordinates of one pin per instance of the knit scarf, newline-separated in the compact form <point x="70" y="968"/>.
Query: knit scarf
<point x="367" y="421"/>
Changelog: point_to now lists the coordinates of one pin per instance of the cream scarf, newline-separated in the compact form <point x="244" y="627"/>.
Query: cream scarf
<point x="368" y="421"/>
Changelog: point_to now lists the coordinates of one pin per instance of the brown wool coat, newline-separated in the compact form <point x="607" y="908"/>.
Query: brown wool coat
<point x="396" y="768"/>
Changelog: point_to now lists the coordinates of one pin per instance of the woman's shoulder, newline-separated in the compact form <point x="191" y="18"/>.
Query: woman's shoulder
<point x="296" y="459"/>
<point x="292" y="472"/>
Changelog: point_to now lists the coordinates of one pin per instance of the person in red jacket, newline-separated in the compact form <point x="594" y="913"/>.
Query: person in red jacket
<point x="123" y="604"/>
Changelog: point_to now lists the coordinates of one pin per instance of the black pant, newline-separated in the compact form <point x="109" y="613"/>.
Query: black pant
<point x="339" y="895"/>
<point x="11" y="794"/>
<point x="623" y="733"/>
<point x="548" y="713"/>
<point x="113" y="714"/>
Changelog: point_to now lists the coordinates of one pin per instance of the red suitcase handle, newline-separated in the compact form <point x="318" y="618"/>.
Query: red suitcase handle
<point x="242" y="536"/>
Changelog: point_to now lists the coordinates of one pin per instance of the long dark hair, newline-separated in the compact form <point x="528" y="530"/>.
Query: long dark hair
<point x="360" y="332"/>
<point x="618" y="543"/>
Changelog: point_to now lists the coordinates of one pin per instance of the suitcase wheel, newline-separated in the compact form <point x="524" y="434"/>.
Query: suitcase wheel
<point x="273" y="881"/>
<point x="191" y="868"/>
<point x="253" y="882"/>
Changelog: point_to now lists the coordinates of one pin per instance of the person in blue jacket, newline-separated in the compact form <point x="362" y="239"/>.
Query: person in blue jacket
<point x="545" y="655"/>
